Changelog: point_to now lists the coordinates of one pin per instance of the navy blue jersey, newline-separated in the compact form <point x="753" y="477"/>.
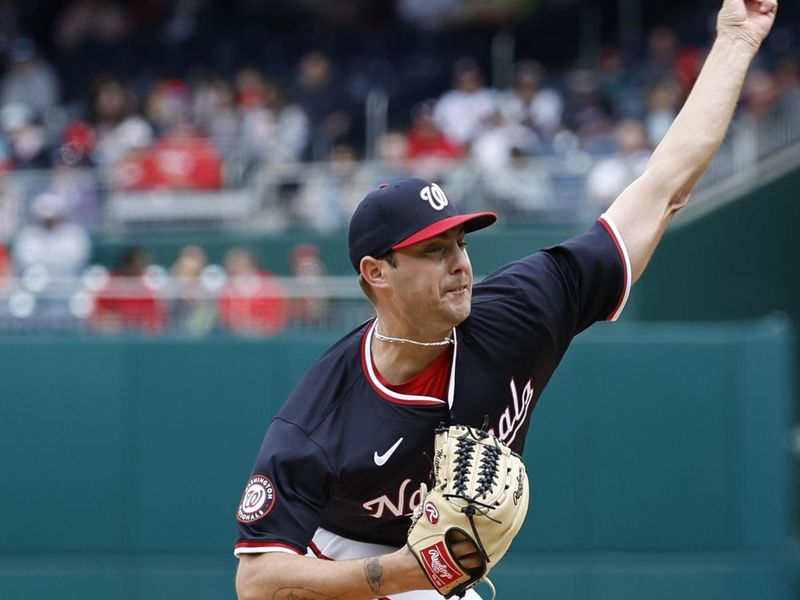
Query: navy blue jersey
<point x="346" y="454"/>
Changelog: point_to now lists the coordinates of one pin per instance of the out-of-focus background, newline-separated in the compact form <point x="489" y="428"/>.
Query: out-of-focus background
<point x="176" y="177"/>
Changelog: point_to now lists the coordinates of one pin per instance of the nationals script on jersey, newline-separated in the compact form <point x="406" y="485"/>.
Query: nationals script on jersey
<point x="347" y="454"/>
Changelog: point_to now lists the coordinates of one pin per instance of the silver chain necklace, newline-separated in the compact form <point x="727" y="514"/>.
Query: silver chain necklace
<point x="395" y="340"/>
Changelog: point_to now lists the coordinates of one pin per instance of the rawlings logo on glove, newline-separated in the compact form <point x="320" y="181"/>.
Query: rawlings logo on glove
<point x="480" y="493"/>
<point x="439" y="569"/>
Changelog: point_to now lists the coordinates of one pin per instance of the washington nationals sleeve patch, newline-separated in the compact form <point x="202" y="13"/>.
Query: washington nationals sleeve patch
<point x="258" y="499"/>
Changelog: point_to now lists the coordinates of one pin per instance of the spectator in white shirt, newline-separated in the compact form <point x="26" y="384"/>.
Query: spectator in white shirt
<point x="531" y="104"/>
<point x="465" y="111"/>
<point x="29" y="79"/>
<point x="52" y="243"/>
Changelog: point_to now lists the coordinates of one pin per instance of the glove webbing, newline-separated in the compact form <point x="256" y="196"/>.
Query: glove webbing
<point x="491" y="454"/>
<point x="487" y="475"/>
<point x="488" y="471"/>
<point x="463" y="463"/>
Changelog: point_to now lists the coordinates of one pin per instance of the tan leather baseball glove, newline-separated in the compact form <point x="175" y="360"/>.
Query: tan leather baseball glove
<point x="479" y="492"/>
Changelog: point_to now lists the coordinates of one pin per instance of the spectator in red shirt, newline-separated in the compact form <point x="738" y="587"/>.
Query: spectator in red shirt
<point x="128" y="302"/>
<point x="252" y="302"/>
<point x="426" y="140"/>
<point x="184" y="159"/>
<point x="187" y="159"/>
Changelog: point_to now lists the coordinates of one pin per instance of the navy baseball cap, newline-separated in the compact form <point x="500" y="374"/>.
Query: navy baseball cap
<point x="404" y="212"/>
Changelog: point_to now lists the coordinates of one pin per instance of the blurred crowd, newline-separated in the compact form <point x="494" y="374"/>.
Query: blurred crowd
<point x="196" y="298"/>
<point x="178" y="125"/>
<point x="60" y="291"/>
<point x="190" y="95"/>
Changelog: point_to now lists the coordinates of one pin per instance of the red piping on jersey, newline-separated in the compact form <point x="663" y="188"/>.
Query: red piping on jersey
<point x="625" y="274"/>
<point x="267" y="545"/>
<point x="365" y="369"/>
<point x="317" y="552"/>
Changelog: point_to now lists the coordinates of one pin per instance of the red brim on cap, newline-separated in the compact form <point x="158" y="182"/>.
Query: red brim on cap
<point x="471" y="222"/>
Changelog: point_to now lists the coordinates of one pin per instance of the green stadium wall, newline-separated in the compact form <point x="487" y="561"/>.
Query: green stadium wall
<point x="738" y="262"/>
<point x="658" y="460"/>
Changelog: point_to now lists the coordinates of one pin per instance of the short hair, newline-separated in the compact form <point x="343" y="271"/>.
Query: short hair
<point x="390" y="258"/>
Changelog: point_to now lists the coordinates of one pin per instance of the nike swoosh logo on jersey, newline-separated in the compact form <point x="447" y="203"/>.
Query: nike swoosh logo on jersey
<point x="380" y="459"/>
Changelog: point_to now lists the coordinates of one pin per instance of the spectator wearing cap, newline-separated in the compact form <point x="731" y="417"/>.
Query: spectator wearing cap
<point x="27" y="143"/>
<point x="169" y="104"/>
<point x="119" y="129"/>
<point x="52" y="243"/>
<point x="429" y="148"/>
<point x="531" y="104"/>
<point x="467" y="109"/>
<point x="29" y="79"/>
<point x="78" y="140"/>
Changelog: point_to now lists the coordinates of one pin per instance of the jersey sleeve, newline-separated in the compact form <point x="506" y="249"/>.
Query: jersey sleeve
<point x="286" y="494"/>
<point x="556" y="293"/>
<point x="596" y="273"/>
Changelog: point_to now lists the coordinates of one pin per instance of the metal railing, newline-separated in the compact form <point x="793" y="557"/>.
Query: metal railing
<point x="749" y="144"/>
<point x="155" y="303"/>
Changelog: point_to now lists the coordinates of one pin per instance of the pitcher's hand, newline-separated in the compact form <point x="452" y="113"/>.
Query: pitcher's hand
<point x="746" y="20"/>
